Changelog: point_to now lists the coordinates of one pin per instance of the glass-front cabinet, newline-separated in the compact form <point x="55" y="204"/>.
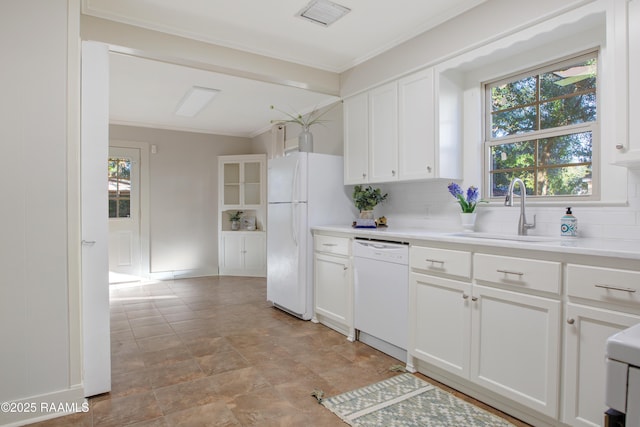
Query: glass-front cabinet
<point x="243" y="185"/>
<point x="242" y="215"/>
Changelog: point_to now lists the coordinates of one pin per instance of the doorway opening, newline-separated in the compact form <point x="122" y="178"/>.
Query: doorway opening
<point x="126" y="249"/>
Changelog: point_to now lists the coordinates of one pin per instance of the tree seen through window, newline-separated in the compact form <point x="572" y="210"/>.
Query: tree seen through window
<point x="541" y="129"/>
<point x="119" y="187"/>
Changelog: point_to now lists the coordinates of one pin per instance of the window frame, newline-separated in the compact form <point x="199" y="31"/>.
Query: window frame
<point x="594" y="127"/>
<point x="117" y="197"/>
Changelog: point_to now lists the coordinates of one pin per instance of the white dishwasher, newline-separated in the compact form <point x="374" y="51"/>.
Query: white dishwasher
<point x="381" y="295"/>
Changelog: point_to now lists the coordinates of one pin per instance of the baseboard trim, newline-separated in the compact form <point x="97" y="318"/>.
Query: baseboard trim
<point x="44" y="407"/>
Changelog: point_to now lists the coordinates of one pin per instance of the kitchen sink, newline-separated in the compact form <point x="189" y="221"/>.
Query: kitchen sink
<point x="507" y="237"/>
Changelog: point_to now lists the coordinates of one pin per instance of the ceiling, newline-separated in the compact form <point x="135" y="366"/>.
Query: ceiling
<point x="269" y="28"/>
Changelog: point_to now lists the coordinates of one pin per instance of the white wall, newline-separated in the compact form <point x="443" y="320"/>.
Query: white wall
<point x="36" y="360"/>
<point x="183" y="196"/>
<point x="489" y="21"/>
<point x="162" y="46"/>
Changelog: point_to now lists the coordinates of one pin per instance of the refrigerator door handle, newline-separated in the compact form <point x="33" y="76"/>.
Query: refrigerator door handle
<point x="294" y="223"/>
<point x="295" y="183"/>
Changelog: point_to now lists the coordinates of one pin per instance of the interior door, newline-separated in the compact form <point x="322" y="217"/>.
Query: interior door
<point x="124" y="214"/>
<point x="94" y="152"/>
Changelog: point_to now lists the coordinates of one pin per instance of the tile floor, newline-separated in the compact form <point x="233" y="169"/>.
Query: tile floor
<point x="212" y="352"/>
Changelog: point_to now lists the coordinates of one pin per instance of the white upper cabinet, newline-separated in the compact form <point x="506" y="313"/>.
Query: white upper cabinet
<point x="356" y="132"/>
<point x="392" y="133"/>
<point x="383" y="133"/>
<point x="242" y="181"/>
<point x="628" y="85"/>
<point x="416" y="128"/>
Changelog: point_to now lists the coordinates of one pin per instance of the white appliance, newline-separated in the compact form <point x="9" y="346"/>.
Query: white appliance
<point x="304" y="190"/>
<point x="623" y="375"/>
<point x="382" y="295"/>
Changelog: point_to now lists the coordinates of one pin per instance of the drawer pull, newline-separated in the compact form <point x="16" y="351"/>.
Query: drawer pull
<point x="616" y="288"/>
<point x="330" y="244"/>
<point x="517" y="273"/>
<point x="434" y="261"/>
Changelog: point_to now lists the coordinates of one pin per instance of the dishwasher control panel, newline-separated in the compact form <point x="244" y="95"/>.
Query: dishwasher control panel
<point x="395" y="252"/>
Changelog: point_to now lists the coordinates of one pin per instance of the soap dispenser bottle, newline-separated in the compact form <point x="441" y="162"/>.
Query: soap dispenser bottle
<point x="569" y="225"/>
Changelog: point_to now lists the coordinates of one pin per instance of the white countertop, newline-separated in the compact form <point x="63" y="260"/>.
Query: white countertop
<point x="618" y="248"/>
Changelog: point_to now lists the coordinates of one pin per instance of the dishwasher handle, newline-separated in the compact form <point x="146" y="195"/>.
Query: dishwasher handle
<point x="384" y="251"/>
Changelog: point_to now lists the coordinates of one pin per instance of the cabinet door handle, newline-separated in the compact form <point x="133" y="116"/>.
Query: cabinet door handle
<point x="619" y="146"/>
<point x="474" y="299"/>
<point x="616" y="288"/>
<point x="330" y="244"/>
<point x="345" y="268"/>
<point x="571" y="321"/>
<point x="364" y="175"/>
<point x="429" y="169"/>
<point x="517" y="273"/>
<point x="434" y="261"/>
<point x="465" y="296"/>
<point x="393" y="173"/>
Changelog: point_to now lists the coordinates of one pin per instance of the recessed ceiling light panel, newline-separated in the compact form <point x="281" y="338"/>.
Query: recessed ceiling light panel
<point x="323" y="12"/>
<point x="195" y="100"/>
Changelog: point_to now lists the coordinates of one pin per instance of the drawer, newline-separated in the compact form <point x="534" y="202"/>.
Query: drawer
<point x="332" y="244"/>
<point x="521" y="273"/>
<point x="441" y="261"/>
<point x="603" y="284"/>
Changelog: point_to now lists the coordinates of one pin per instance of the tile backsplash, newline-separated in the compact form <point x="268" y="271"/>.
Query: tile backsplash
<point x="429" y="205"/>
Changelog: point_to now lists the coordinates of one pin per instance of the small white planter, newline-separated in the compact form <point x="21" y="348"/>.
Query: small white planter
<point x="468" y="221"/>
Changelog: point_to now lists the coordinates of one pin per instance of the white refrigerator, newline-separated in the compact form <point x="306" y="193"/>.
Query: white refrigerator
<point x="304" y="190"/>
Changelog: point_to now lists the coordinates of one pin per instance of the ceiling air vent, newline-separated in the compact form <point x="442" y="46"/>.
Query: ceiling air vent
<point x="323" y="12"/>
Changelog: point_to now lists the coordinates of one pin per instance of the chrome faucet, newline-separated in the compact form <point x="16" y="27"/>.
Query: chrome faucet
<point x="523" y="226"/>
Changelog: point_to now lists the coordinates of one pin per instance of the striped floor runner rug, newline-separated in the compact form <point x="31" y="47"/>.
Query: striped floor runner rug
<point x="406" y="401"/>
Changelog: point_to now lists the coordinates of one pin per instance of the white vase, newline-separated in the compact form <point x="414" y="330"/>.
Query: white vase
<point x="305" y="141"/>
<point x="366" y="214"/>
<point x="468" y="221"/>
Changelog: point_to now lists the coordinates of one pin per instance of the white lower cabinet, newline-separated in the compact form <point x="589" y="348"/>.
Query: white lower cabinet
<point x="602" y="301"/>
<point x="515" y="346"/>
<point x="441" y="322"/>
<point x="586" y="332"/>
<point x="333" y="284"/>
<point x="498" y="328"/>
<point x="243" y="253"/>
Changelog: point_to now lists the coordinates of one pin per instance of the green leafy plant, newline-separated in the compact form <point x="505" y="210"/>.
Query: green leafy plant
<point x="235" y="216"/>
<point x="366" y="198"/>
<point x="306" y="121"/>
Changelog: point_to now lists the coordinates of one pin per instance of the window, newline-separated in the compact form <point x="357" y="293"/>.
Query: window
<point x="541" y="127"/>
<point x="119" y="188"/>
